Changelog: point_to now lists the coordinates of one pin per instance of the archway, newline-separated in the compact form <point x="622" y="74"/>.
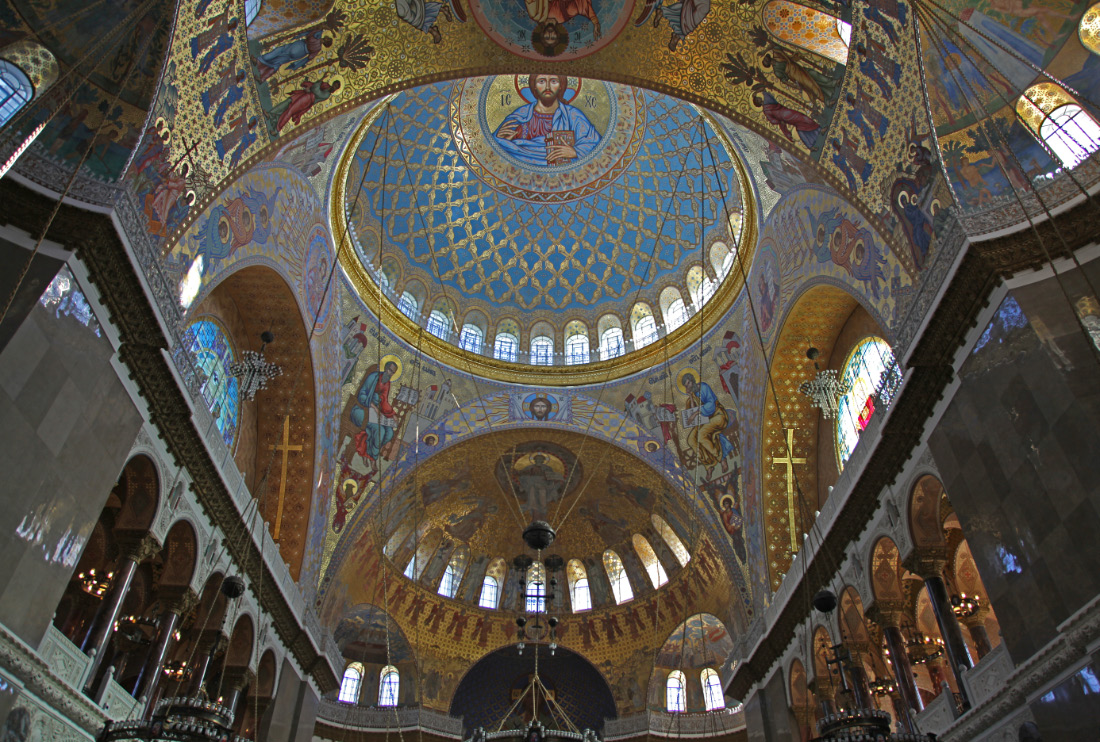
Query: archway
<point x="486" y="693"/>
<point x="275" y="443"/>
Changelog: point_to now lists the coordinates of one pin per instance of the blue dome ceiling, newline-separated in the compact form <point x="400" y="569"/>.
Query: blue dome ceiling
<point x="490" y="223"/>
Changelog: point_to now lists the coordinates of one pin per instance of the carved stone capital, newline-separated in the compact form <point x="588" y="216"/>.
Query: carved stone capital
<point x="237" y="678"/>
<point x="927" y="562"/>
<point x="823" y="688"/>
<point x="887" y="613"/>
<point x="138" y="547"/>
<point x="178" y="599"/>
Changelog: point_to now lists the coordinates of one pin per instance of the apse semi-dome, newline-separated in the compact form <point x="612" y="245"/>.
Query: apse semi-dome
<point x="556" y="228"/>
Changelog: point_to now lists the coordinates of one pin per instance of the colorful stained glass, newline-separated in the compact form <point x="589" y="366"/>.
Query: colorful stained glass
<point x="211" y="353"/>
<point x="868" y="373"/>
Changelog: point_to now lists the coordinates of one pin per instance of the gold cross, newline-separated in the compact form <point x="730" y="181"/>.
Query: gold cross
<point x="789" y="461"/>
<point x="286" y="448"/>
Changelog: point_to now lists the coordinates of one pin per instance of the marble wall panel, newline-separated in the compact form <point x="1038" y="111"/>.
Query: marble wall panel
<point x="68" y="424"/>
<point x="1017" y="448"/>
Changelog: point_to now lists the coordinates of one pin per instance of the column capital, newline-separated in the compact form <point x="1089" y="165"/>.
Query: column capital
<point x="178" y="599"/>
<point x="138" y="546"/>
<point x="927" y="562"/>
<point x="236" y="678"/>
<point x="977" y="618"/>
<point x="887" y="613"/>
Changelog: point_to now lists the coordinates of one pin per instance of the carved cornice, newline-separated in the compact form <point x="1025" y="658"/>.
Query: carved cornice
<point x="983" y="266"/>
<point x="35" y="675"/>
<point x="94" y="239"/>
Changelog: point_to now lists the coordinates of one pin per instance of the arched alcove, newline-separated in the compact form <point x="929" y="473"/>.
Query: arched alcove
<point x="484" y="695"/>
<point x="276" y="439"/>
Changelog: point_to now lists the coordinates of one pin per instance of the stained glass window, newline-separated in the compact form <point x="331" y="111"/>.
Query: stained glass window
<point x="388" y="686"/>
<point x="211" y="353"/>
<point x="15" y="90"/>
<point x="65" y="299"/>
<point x="869" y="368"/>
<point x="349" y="686"/>
<point x="675" y="698"/>
<point x="505" y="347"/>
<point x="712" y="690"/>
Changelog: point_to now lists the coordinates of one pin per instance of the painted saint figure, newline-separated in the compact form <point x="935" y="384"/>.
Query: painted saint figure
<point x="548" y="131"/>
<point x="298" y="104"/>
<point x="707" y="437"/>
<point x="374" y="415"/>
<point x="683" y="17"/>
<point x="296" y="54"/>
<point x="421" y="15"/>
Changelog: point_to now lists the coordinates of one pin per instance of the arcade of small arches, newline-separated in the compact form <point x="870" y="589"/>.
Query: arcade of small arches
<point x="569" y="342"/>
<point x="913" y="615"/>
<point x="535" y="578"/>
<point x="146" y="603"/>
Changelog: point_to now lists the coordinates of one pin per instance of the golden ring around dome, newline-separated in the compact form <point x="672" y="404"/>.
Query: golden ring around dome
<point x="594" y="372"/>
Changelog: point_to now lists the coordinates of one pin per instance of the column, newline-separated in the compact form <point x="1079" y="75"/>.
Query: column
<point x="177" y="605"/>
<point x="976" y="626"/>
<point x="887" y="614"/>
<point x="825" y="692"/>
<point x="930" y="569"/>
<point x="234" y="681"/>
<point x="208" y="645"/>
<point x="860" y="688"/>
<point x="134" y="551"/>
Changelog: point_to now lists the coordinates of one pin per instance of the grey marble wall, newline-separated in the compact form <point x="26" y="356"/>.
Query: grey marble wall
<point x="293" y="713"/>
<point x="1018" y="449"/>
<point x="767" y="716"/>
<point x="1071" y="711"/>
<point x="67" y="425"/>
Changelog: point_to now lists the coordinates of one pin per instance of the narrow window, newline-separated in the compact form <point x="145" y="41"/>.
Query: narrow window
<point x="576" y="350"/>
<point x="675" y="702"/>
<point x="471" y="338"/>
<point x="251" y="10"/>
<point x="490" y="593"/>
<point x="677" y="314"/>
<point x="439" y="325"/>
<point x="349" y="686"/>
<point x="649" y="559"/>
<point x="408" y="306"/>
<point x="536" y="589"/>
<point x="611" y="343"/>
<point x="542" y="351"/>
<point x="645" y="331"/>
<point x="712" y="690"/>
<point x="620" y="584"/>
<point x="505" y="347"/>
<point x="1070" y="133"/>
<point x="388" y="686"/>
<point x="15" y="90"/>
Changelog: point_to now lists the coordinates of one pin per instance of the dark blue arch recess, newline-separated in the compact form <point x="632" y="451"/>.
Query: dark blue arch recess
<point x="484" y="695"/>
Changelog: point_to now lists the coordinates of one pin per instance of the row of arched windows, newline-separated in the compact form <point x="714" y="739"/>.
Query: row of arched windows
<point x="676" y="691"/>
<point x="643" y="324"/>
<point x="389" y="683"/>
<point x="577" y="576"/>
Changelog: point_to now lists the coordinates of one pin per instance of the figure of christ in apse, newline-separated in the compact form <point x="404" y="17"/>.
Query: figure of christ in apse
<point x="553" y="13"/>
<point x="548" y="131"/>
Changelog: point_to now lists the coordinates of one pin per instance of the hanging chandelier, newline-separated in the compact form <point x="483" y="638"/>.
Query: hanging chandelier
<point x="95" y="583"/>
<point x="825" y="389"/>
<point x="182" y="718"/>
<point x="253" y="371"/>
<point x="965" y="606"/>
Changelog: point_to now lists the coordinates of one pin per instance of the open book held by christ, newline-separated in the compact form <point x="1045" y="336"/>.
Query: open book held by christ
<point x="565" y="137"/>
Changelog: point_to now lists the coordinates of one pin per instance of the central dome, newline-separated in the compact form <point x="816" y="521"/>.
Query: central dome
<point x="540" y="208"/>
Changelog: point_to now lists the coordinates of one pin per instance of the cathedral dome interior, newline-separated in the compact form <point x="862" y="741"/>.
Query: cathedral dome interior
<point x="555" y="371"/>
